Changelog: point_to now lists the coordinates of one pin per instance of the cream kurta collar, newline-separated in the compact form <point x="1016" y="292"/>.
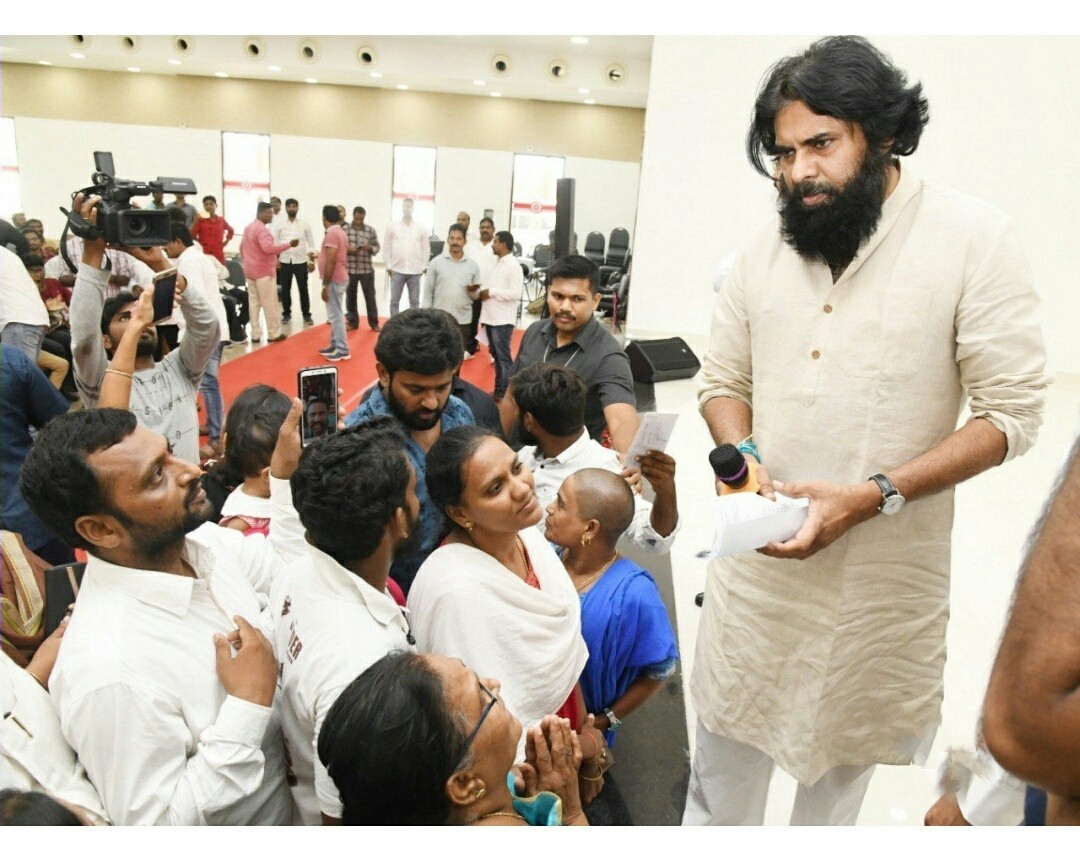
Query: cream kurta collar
<point x="907" y="188"/>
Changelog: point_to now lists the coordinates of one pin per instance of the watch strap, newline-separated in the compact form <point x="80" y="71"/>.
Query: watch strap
<point x="888" y="489"/>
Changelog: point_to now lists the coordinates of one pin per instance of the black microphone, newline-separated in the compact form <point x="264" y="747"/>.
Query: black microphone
<point x="730" y="467"/>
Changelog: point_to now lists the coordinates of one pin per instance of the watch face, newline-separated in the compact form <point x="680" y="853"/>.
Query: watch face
<point x="892" y="505"/>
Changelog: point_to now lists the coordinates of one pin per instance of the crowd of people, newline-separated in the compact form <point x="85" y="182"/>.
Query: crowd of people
<point x="421" y="614"/>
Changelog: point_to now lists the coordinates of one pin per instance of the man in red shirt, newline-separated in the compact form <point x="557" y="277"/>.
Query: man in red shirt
<point x="259" y="253"/>
<point x="210" y="232"/>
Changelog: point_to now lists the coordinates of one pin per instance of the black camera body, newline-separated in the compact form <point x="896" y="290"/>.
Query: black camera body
<point x="118" y="222"/>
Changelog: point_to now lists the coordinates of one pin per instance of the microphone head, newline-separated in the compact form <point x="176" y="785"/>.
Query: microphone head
<point x="729" y="465"/>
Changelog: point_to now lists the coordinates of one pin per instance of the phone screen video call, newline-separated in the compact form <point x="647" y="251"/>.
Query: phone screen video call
<point x="318" y="392"/>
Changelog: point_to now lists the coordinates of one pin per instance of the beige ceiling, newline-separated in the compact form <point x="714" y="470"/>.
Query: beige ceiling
<point x="442" y="64"/>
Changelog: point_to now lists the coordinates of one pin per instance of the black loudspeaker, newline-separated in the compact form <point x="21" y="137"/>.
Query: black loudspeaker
<point x="564" y="217"/>
<point x="661" y="360"/>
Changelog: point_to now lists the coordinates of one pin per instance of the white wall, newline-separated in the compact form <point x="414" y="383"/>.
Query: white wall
<point x="1000" y="110"/>
<point x="56" y="157"/>
<point x="605" y="195"/>
<point x="318" y="171"/>
<point x="472" y="180"/>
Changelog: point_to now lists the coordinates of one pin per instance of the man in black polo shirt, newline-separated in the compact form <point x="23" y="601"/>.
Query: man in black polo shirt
<point x="574" y="338"/>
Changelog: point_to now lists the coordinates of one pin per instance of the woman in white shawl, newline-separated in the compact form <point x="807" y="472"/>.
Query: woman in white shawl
<point x="495" y="594"/>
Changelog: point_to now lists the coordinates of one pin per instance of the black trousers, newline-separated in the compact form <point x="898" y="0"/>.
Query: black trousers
<point x="471" y="344"/>
<point x="352" y="311"/>
<point x="285" y="277"/>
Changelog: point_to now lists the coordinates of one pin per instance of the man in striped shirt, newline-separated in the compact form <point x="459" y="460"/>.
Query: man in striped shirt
<point x="363" y="245"/>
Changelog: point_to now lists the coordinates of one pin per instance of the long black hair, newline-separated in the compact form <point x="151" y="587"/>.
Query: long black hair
<point x="847" y="78"/>
<point x="390" y="742"/>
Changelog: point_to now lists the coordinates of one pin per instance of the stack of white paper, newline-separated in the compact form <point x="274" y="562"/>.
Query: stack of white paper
<point x="746" y="521"/>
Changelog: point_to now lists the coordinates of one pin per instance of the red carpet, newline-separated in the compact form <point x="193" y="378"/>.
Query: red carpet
<point x="277" y="364"/>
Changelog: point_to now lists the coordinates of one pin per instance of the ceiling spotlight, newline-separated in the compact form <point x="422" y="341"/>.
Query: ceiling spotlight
<point x="134" y="69"/>
<point x="221" y="74"/>
<point x="583" y="92"/>
<point x="579" y="40"/>
<point x="403" y="86"/>
<point x="590" y="101"/>
<point x="496" y="95"/>
<point x="44" y="63"/>
<point x="479" y="83"/>
<point x="77" y="56"/>
<point x="375" y="74"/>
<point x="174" y="63"/>
<point x="274" y="68"/>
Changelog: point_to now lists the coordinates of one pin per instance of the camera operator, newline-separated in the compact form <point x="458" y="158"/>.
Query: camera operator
<point x="163" y="394"/>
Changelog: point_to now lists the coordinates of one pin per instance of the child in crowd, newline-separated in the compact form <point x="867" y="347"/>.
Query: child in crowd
<point x="251" y="432"/>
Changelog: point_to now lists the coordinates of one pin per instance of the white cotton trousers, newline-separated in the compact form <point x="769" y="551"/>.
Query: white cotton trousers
<point x="729" y="785"/>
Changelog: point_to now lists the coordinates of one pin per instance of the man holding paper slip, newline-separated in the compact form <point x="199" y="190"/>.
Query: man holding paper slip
<point x="843" y="345"/>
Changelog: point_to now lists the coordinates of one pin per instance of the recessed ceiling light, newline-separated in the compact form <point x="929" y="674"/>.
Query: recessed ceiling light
<point x="375" y="74"/>
<point x="44" y="63"/>
<point x="590" y="101"/>
<point x="274" y="68"/>
<point x="174" y="62"/>
<point x="403" y="86"/>
<point x="221" y="74"/>
<point x="134" y="69"/>
<point x="479" y="83"/>
<point x="579" y="40"/>
<point x="583" y="91"/>
<point x="77" y="56"/>
<point x="311" y="80"/>
<point x="496" y="95"/>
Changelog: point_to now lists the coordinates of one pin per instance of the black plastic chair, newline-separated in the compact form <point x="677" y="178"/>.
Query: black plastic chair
<point x="594" y="247"/>
<point x="618" y="253"/>
<point x="437" y="246"/>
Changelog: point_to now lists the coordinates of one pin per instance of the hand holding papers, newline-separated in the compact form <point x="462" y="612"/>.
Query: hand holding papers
<point x="746" y="521"/>
<point x="653" y="434"/>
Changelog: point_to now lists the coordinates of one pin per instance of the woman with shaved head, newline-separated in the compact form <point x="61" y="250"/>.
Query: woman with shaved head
<point x="624" y="622"/>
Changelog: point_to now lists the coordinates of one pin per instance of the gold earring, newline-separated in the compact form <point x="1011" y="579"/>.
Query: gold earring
<point x="480" y="793"/>
<point x="469" y="524"/>
<point x="586" y="540"/>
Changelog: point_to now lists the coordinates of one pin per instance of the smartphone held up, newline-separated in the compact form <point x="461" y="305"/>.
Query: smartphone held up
<point x="317" y="388"/>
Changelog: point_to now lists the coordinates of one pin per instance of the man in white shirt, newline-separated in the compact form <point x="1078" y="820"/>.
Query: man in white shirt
<point x="500" y="295"/>
<point x="23" y="316"/>
<point x="482" y="252"/>
<point x="550" y="401"/>
<point x="355" y="494"/>
<point x="201" y="272"/>
<point x="406" y="251"/>
<point x="165" y="684"/>
<point x="294" y="260"/>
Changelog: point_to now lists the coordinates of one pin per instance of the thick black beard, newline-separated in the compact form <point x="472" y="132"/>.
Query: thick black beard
<point x="147" y="347"/>
<point x="833" y="232"/>
<point x="409" y="419"/>
<point x="152" y="541"/>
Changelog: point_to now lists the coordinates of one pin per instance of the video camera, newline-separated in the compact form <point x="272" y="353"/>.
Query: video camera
<point x="117" y="221"/>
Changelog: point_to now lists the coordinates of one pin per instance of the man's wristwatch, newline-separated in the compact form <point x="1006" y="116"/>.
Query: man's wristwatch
<point x="613" y="722"/>
<point x="892" y="500"/>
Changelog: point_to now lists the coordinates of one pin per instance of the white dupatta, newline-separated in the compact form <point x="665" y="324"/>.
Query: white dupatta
<point x="466" y="605"/>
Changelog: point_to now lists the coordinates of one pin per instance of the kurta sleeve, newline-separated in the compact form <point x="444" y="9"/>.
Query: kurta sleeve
<point x="999" y="343"/>
<point x="726" y="368"/>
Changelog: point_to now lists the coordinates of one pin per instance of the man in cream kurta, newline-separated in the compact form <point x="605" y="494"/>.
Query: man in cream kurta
<point x="828" y="665"/>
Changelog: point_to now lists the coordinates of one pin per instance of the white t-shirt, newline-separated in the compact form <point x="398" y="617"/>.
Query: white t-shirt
<point x="20" y="301"/>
